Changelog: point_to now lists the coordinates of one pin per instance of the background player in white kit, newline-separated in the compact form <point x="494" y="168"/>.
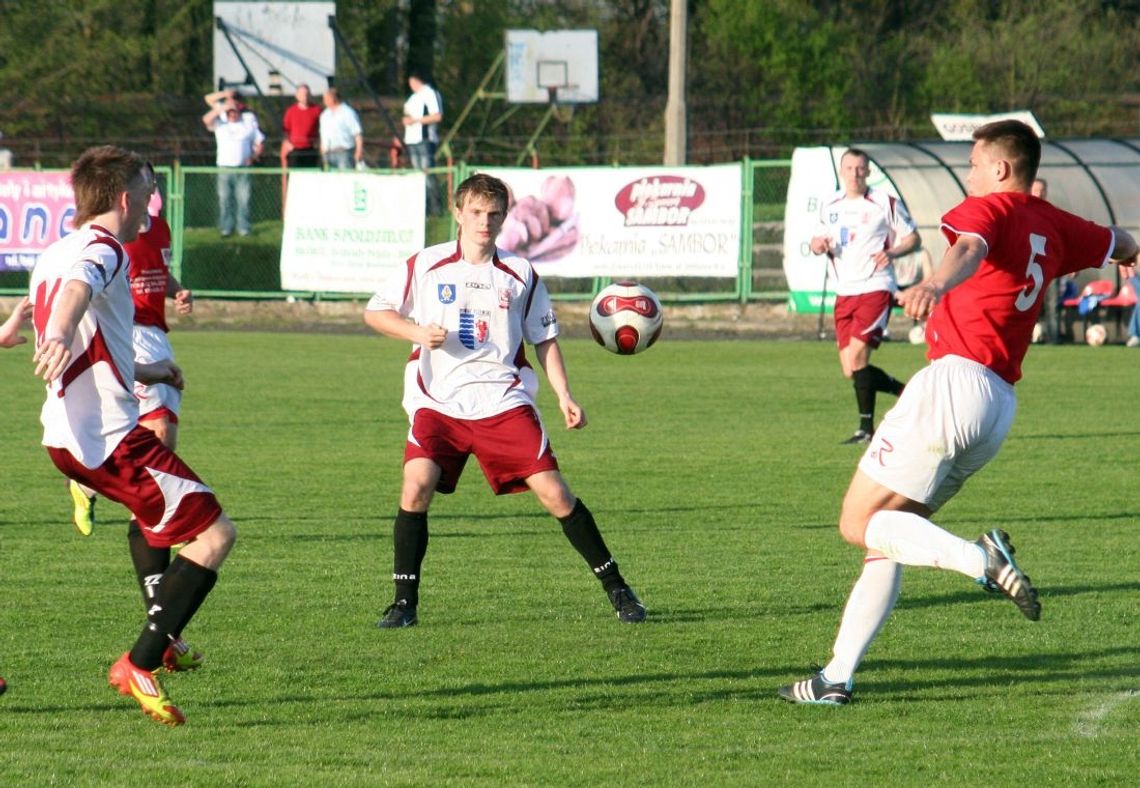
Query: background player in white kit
<point x="83" y="315"/>
<point x="1006" y="245"/>
<point x="861" y="231"/>
<point x="468" y="307"/>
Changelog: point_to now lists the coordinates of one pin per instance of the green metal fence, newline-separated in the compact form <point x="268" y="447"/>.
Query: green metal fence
<point x="237" y="266"/>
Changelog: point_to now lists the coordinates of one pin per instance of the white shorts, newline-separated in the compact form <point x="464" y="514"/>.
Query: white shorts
<point x="949" y="422"/>
<point x="151" y="345"/>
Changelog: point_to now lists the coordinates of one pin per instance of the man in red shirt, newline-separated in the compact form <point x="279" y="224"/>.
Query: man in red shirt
<point x="981" y="303"/>
<point x="300" y="147"/>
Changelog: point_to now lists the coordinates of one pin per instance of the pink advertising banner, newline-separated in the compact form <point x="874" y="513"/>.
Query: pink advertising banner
<point x="627" y="221"/>
<point x="35" y="211"/>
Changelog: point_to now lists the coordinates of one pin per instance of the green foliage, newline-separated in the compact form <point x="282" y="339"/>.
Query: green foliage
<point x="714" y="471"/>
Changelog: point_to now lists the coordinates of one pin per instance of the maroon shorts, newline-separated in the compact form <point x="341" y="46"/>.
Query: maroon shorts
<point x="509" y="447"/>
<point x="862" y="317"/>
<point x="170" y="502"/>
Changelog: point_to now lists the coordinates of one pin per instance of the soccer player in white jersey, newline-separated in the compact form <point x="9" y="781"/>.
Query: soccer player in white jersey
<point x="83" y="314"/>
<point x="982" y="303"/>
<point x="861" y="231"/>
<point x="467" y="308"/>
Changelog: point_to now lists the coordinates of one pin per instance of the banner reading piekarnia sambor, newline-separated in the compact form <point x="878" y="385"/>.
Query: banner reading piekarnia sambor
<point x="625" y="222"/>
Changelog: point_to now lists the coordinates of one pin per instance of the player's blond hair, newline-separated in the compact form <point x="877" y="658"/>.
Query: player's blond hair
<point x="486" y="186"/>
<point x="99" y="177"/>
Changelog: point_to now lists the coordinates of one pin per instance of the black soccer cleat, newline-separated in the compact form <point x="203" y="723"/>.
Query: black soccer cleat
<point x="628" y="606"/>
<point x="398" y="614"/>
<point x="859" y="436"/>
<point x="1003" y="575"/>
<point x="816" y="691"/>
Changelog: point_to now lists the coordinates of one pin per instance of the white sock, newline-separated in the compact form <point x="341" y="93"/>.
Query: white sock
<point x="915" y="541"/>
<point x="870" y="603"/>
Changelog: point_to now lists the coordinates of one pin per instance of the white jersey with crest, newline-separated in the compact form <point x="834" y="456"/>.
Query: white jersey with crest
<point x="489" y="311"/>
<point x="858" y="228"/>
<point x="91" y="406"/>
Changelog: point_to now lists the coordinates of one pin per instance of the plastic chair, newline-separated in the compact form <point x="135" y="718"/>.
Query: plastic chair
<point x="1086" y="304"/>
<point x="1117" y="305"/>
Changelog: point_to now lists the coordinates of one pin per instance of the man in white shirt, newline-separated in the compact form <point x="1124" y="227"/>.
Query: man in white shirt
<point x="83" y="315"/>
<point x="468" y="308"/>
<point x="423" y="112"/>
<point x="240" y="141"/>
<point x="342" y="138"/>
<point x="861" y="231"/>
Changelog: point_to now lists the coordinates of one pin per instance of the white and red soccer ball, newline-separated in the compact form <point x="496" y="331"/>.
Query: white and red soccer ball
<point x="625" y="318"/>
<point x="1096" y="335"/>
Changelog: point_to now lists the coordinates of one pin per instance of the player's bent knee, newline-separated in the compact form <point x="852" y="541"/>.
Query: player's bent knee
<point x="853" y="530"/>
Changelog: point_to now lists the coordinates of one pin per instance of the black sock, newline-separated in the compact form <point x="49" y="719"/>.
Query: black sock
<point x="150" y="562"/>
<point x="410" y="541"/>
<point x="865" y="397"/>
<point x="881" y="381"/>
<point x="183" y="588"/>
<point x="582" y="531"/>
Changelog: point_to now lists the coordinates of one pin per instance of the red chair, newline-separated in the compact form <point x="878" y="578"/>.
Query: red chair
<point x="1117" y="305"/>
<point x="1093" y="294"/>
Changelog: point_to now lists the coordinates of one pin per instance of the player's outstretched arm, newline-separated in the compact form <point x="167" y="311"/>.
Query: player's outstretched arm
<point x="165" y="371"/>
<point x="54" y="351"/>
<point x="1125" y="247"/>
<point x="958" y="264"/>
<point x="550" y="357"/>
<point x="392" y="324"/>
<point x="10" y="331"/>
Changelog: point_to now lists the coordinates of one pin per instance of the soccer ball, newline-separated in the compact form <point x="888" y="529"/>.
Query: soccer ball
<point x="625" y="318"/>
<point x="1095" y="335"/>
<point x="917" y="334"/>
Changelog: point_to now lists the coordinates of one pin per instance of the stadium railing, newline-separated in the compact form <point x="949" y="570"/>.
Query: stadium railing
<point x="248" y="267"/>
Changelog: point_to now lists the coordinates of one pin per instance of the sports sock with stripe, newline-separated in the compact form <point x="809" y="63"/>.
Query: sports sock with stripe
<point x="582" y="531"/>
<point x="183" y="588"/>
<point x="913" y="540"/>
<point x="870" y="603"/>
<point x="150" y="562"/>
<point x="862" y="380"/>
<point x="410" y="540"/>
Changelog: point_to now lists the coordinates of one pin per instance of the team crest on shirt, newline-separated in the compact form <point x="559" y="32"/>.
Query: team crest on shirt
<point x="504" y="298"/>
<point x="446" y="293"/>
<point x="474" y="328"/>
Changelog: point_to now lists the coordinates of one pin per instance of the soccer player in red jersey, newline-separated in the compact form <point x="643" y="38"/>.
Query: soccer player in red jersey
<point x="981" y="305"/>
<point x="83" y="314"/>
<point x="468" y="308"/>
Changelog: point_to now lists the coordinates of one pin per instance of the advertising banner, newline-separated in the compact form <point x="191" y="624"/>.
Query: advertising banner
<point x="35" y="211"/>
<point x="345" y="232"/>
<point x="625" y="222"/>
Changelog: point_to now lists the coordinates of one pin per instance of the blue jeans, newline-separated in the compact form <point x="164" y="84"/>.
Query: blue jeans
<point x="339" y="159"/>
<point x="422" y="156"/>
<point x="233" y="200"/>
<point x="1134" y="323"/>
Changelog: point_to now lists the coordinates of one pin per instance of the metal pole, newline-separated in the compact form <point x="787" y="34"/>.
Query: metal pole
<point x="675" y="119"/>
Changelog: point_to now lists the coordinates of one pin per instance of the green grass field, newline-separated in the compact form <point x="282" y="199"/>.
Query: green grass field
<point x="714" y="471"/>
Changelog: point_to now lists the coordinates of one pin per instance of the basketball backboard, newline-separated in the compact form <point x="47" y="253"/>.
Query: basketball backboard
<point x="561" y="65"/>
<point x="285" y="44"/>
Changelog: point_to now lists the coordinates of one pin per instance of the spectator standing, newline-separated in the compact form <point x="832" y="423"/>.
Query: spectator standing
<point x="239" y="144"/>
<point x="301" y="146"/>
<point x="342" y="139"/>
<point x="861" y="231"/>
<point x="423" y="112"/>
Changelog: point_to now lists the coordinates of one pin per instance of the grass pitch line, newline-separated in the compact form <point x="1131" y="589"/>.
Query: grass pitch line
<point x="1089" y="723"/>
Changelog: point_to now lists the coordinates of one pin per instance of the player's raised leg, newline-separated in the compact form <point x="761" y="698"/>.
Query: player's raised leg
<point x="582" y="532"/>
